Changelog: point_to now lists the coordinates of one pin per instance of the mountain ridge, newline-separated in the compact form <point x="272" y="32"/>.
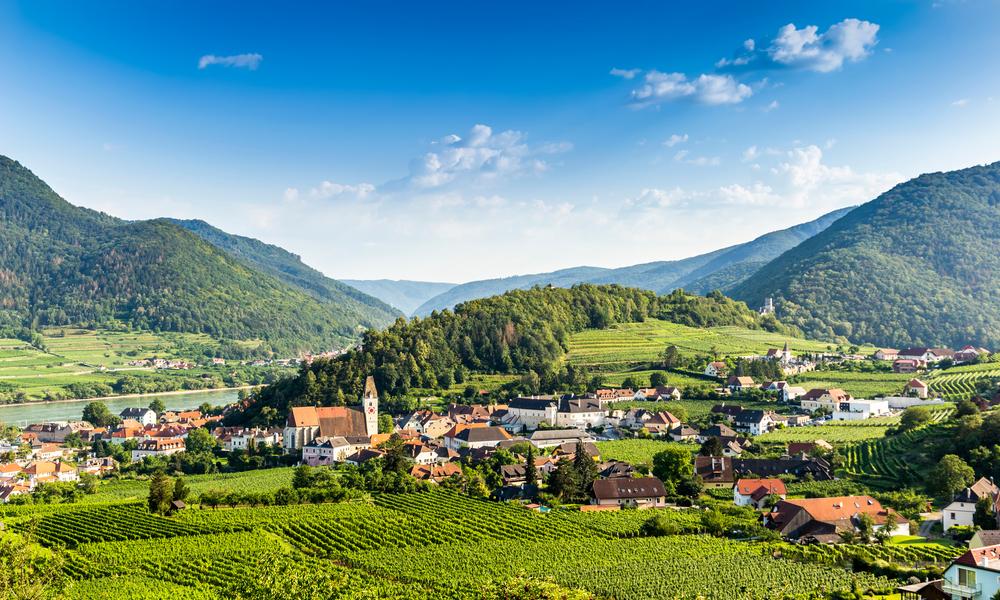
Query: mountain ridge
<point x="718" y="269"/>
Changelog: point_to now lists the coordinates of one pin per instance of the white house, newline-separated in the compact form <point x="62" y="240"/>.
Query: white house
<point x="859" y="410"/>
<point x="926" y="354"/>
<point x="903" y="402"/>
<point x="715" y="369"/>
<point x="823" y="398"/>
<point x="963" y="506"/>
<point x="975" y="574"/>
<point x="915" y="387"/>
<point x="753" y="421"/>
<point x="581" y="413"/>
<point x="529" y="413"/>
<point x="145" y="416"/>
<point x="755" y="492"/>
<point x="158" y="447"/>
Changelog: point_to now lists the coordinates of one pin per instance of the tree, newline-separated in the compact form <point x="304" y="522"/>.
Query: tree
<point x="673" y="466"/>
<point x="966" y="407"/>
<point x="26" y="573"/>
<point x="157" y="406"/>
<point x="713" y="522"/>
<point x="586" y="470"/>
<point x="530" y="472"/>
<point x="985" y="516"/>
<point x="657" y="379"/>
<point x="630" y="383"/>
<point x="161" y="493"/>
<point x="385" y="423"/>
<point x="950" y="476"/>
<point x="659" y="525"/>
<point x="200" y="440"/>
<point x="711" y="447"/>
<point x="866" y="526"/>
<point x="98" y="415"/>
<point x="181" y="490"/>
<point x="914" y="417"/>
<point x="204" y="408"/>
<point x="670" y="359"/>
<point x="884" y="533"/>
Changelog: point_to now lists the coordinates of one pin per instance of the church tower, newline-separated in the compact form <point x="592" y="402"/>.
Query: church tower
<point x="786" y="355"/>
<point x="369" y="404"/>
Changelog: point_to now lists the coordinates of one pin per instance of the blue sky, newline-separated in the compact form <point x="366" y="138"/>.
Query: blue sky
<point x="457" y="141"/>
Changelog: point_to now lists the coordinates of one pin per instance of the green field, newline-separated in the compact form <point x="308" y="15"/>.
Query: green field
<point x="638" y="451"/>
<point x="634" y="343"/>
<point x="859" y="385"/>
<point x="84" y="356"/>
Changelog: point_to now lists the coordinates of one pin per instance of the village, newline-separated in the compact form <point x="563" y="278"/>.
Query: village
<point x="530" y="440"/>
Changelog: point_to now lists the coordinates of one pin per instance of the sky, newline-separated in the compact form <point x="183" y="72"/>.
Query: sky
<point x="453" y="141"/>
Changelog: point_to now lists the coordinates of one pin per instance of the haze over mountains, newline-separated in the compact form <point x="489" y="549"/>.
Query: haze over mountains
<point x="918" y="265"/>
<point x="720" y="269"/>
<point x="61" y="264"/>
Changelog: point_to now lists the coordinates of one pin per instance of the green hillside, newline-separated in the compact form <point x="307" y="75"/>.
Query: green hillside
<point x="717" y="270"/>
<point x="289" y="268"/>
<point x="916" y="266"/>
<point x="64" y="265"/>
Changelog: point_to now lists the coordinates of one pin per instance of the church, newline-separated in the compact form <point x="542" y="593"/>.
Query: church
<point x="305" y="423"/>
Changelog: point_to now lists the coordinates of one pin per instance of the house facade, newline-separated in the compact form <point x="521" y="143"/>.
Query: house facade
<point x="304" y="423"/>
<point x="962" y="509"/>
<point x="629" y="492"/>
<point x="974" y="575"/>
<point x="756" y="492"/>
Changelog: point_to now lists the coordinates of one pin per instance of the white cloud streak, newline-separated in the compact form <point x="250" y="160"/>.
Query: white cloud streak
<point x="238" y="61"/>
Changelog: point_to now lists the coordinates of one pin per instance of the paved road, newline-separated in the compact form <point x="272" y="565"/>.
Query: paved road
<point x="929" y="520"/>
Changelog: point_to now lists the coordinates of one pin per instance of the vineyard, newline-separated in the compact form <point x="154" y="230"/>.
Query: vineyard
<point x="396" y="546"/>
<point x="638" y="451"/>
<point x="888" y="462"/>
<point x="959" y="383"/>
<point x="640" y="568"/>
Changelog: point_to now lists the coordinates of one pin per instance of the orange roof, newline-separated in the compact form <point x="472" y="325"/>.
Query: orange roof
<point x="40" y="467"/>
<point x="916" y="383"/>
<point x="761" y="487"/>
<point x="841" y="507"/>
<point x="10" y="468"/>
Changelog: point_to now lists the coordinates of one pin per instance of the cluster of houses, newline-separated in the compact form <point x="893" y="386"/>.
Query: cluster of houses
<point x="163" y="363"/>
<point x="911" y="360"/>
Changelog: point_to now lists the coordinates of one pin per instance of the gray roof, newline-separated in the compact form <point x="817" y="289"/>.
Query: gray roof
<point x="559" y="434"/>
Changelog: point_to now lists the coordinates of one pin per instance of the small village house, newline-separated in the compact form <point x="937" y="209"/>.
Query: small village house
<point x="641" y="492"/>
<point x="960" y="511"/>
<point x="757" y="492"/>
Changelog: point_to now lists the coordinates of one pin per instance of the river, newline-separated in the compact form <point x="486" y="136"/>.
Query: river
<point x="40" y="412"/>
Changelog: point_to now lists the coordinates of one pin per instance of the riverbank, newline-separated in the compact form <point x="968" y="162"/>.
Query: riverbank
<point x="127" y="396"/>
<point x="42" y="412"/>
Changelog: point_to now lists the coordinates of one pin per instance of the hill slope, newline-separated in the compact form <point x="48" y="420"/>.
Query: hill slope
<point x="289" y="268"/>
<point x="720" y="269"/>
<point x="917" y="265"/>
<point x="402" y="294"/>
<point x="61" y="264"/>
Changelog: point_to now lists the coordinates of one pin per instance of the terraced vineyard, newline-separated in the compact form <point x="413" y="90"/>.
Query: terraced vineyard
<point x="888" y="462"/>
<point x="842" y="554"/>
<point x="958" y="383"/>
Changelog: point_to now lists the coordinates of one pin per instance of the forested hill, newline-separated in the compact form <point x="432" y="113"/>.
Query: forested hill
<point x="289" y="268"/>
<point x="522" y="332"/>
<point x="919" y="265"/>
<point x="61" y="264"/>
<point x="717" y="270"/>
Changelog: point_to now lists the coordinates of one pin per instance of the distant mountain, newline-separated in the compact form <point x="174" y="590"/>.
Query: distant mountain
<point x="720" y="269"/>
<point x="61" y="264"/>
<point x="919" y="265"/>
<point x="403" y="294"/>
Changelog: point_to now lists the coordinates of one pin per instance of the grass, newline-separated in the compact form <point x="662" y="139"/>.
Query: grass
<point x="638" y="451"/>
<point x="857" y="384"/>
<point x="261" y="480"/>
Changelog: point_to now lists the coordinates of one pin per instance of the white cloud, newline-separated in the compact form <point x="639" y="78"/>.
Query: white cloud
<point x="241" y="61"/>
<point x="705" y="89"/>
<point x="772" y="106"/>
<point x="625" y="73"/>
<point x="291" y="194"/>
<point x="850" y="40"/>
<point x="683" y="156"/>
<point x="482" y="156"/>
<point x="329" y="189"/>
<point x="960" y="103"/>
<point x="750" y="154"/>
<point x="757" y="194"/>
<point x="675" y="139"/>
<point x="810" y="180"/>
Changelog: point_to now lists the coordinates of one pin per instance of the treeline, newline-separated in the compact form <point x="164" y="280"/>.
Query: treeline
<point x="521" y="332"/>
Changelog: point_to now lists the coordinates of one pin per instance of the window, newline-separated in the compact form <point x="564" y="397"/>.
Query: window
<point x="966" y="577"/>
<point x="952" y="515"/>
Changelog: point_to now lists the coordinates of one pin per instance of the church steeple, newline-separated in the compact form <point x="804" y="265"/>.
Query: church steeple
<point x="369" y="404"/>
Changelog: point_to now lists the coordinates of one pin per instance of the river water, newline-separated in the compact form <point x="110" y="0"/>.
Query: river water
<point x="40" y="412"/>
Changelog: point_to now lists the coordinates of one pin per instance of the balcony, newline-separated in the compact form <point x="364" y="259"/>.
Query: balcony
<point x="961" y="591"/>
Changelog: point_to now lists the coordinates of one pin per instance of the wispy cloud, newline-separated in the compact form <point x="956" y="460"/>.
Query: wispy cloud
<point x="683" y="156"/>
<point x="675" y="139"/>
<point x="961" y="103"/>
<point x="239" y="61"/>
<point x="625" y="73"/>
<point x="707" y="89"/>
